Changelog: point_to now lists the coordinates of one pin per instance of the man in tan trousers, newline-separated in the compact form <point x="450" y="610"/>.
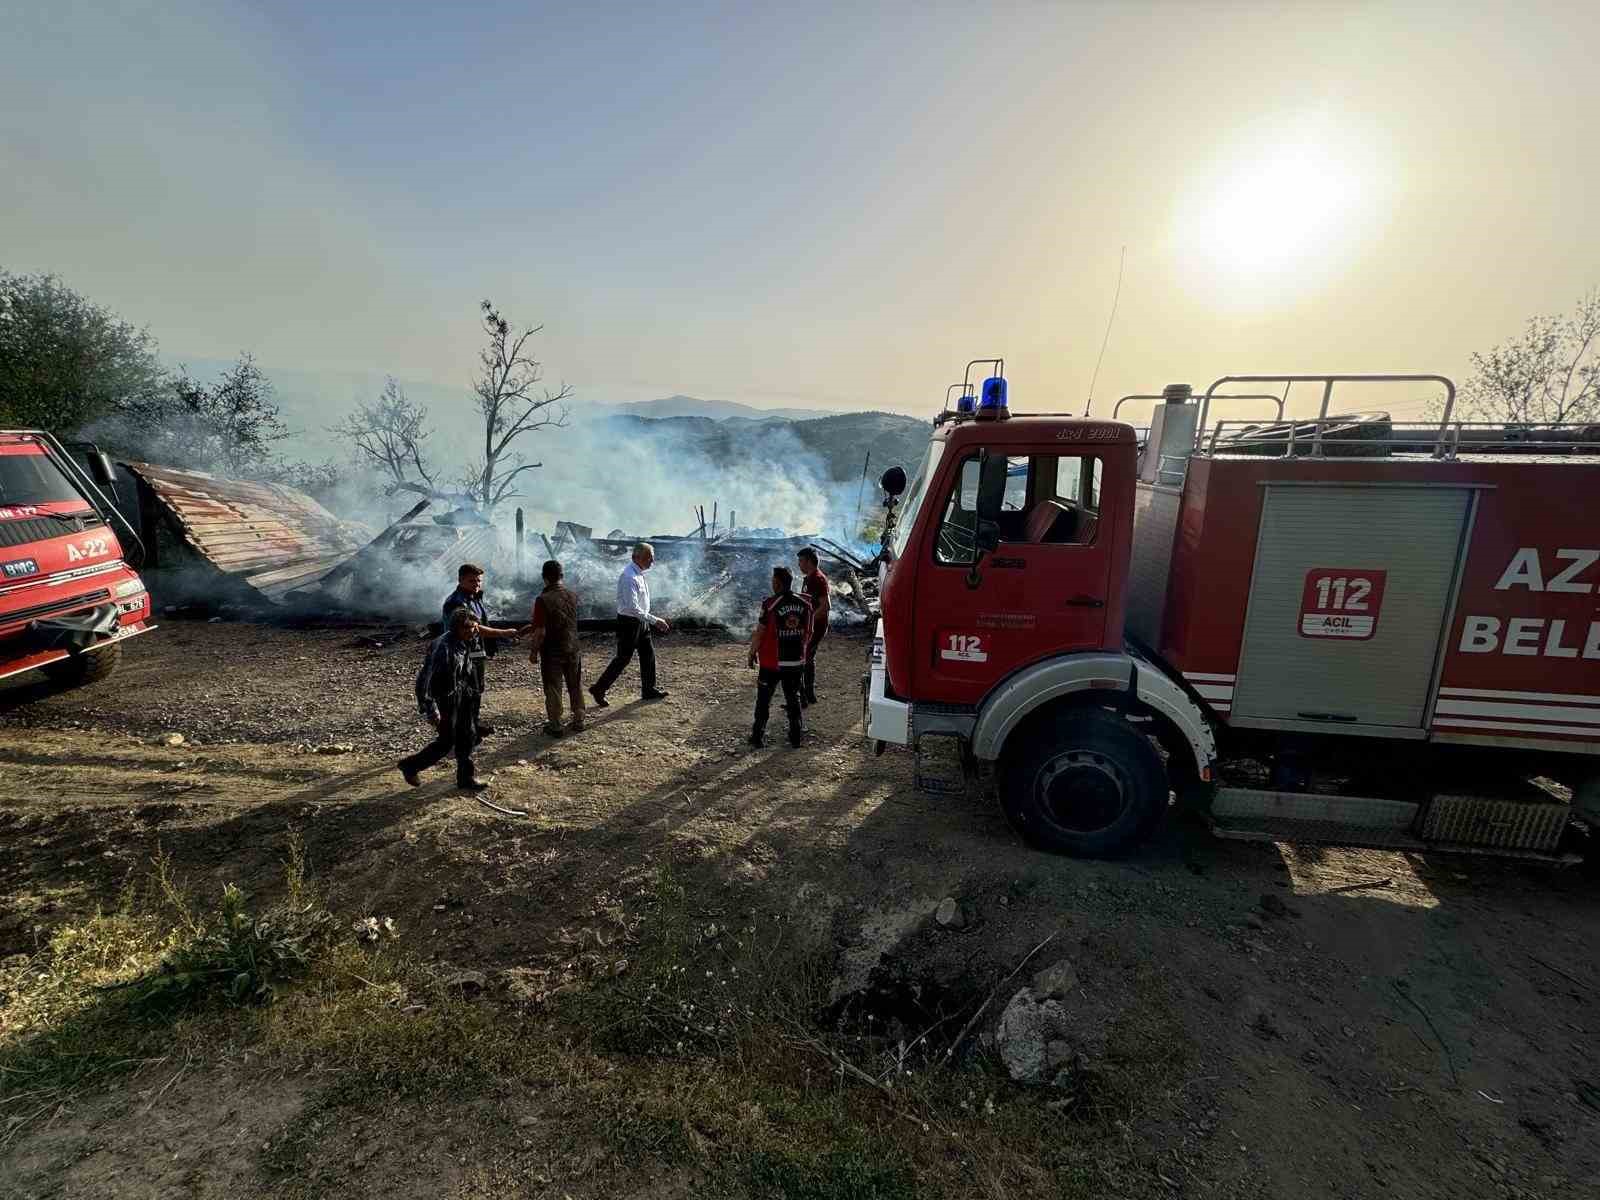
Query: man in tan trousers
<point x="555" y="637"/>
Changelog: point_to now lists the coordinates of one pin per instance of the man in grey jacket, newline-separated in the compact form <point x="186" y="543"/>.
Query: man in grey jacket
<point x="448" y="697"/>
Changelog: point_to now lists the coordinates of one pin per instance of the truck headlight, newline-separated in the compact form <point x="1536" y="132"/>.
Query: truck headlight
<point x="130" y="587"/>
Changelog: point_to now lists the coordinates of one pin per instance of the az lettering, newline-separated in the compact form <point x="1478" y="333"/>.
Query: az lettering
<point x="1525" y="570"/>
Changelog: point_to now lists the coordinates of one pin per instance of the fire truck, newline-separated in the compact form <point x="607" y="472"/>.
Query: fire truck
<point x="69" y="596"/>
<point x="1345" y="628"/>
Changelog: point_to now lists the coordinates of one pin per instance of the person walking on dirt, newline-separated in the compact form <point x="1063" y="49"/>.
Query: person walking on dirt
<point x="635" y="623"/>
<point x="815" y="585"/>
<point x="555" y="636"/>
<point x="469" y="595"/>
<point x="448" y="698"/>
<point x="778" y="649"/>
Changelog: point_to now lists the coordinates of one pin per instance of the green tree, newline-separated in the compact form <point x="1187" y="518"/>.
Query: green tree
<point x="230" y="426"/>
<point x="65" y="361"/>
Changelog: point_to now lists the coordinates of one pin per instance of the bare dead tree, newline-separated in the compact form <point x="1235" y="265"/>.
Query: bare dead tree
<point x="389" y="433"/>
<point x="509" y="406"/>
<point x="1551" y="373"/>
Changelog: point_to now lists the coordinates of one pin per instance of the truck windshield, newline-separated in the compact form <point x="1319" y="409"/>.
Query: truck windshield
<point x="915" y="495"/>
<point x="32" y="478"/>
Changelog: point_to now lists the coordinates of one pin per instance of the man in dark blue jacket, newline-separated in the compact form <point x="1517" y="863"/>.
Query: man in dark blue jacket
<point x="469" y="595"/>
<point x="448" y="698"/>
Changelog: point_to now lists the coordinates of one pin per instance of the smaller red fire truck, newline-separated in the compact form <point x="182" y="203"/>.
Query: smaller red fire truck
<point x="68" y="594"/>
<point x="1337" y="629"/>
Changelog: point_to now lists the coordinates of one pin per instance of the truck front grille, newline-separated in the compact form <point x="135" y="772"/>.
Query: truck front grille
<point x="37" y="529"/>
<point x="56" y="607"/>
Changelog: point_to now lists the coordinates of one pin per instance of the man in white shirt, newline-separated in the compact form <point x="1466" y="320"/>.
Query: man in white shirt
<point x="634" y="626"/>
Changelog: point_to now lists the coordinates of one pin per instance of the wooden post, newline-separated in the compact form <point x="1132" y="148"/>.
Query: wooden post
<point x="519" y="546"/>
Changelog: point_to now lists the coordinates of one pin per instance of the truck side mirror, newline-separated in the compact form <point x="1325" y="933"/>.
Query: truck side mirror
<point x="893" y="481"/>
<point x="991" y="498"/>
<point x="100" y="467"/>
<point x="991" y="486"/>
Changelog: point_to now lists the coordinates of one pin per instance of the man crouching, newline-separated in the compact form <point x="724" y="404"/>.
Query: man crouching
<point x="778" y="647"/>
<point x="448" y="698"/>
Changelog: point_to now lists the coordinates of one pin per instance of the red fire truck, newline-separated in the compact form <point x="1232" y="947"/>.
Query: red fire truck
<point x="1338" y="629"/>
<point x="68" y="594"/>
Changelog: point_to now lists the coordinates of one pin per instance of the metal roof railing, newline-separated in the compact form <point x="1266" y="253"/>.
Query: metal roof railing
<point x="1327" y="382"/>
<point x="1374" y="434"/>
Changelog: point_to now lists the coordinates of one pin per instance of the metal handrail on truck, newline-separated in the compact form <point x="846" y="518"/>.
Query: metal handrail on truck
<point x="1327" y="382"/>
<point x="1462" y="437"/>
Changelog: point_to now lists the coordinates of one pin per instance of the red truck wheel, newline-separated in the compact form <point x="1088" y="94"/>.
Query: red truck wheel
<point x="1082" y="782"/>
<point x="84" y="668"/>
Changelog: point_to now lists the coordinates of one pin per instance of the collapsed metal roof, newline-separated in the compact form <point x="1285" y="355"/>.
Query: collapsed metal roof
<point x="271" y="537"/>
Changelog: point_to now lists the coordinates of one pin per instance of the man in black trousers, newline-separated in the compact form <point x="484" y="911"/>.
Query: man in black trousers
<point x="469" y="595"/>
<point x="447" y="698"/>
<point x="635" y="623"/>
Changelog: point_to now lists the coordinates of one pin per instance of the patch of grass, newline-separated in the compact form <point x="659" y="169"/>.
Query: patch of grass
<point x="831" y="1175"/>
<point x="703" y="1058"/>
<point x="123" y="989"/>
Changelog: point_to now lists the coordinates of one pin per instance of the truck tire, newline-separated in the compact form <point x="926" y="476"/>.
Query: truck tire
<point x="84" y="668"/>
<point x="1082" y="782"/>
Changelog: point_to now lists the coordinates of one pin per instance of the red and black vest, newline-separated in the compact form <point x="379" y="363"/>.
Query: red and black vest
<point x="785" y="630"/>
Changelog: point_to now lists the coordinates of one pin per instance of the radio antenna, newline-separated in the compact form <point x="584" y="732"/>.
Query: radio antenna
<point x="1116" y="296"/>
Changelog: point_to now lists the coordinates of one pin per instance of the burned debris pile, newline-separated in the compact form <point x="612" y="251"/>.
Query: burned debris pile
<point x="260" y="541"/>
<point x="223" y="544"/>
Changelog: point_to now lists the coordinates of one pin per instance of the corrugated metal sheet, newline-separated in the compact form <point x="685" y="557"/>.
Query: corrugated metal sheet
<point x="272" y="537"/>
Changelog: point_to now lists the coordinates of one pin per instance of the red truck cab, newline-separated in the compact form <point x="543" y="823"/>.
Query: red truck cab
<point x="68" y="594"/>
<point x="1053" y="580"/>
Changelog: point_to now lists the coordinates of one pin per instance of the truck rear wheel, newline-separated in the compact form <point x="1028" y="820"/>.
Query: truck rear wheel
<point x="84" y="668"/>
<point x="1083" y="783"/>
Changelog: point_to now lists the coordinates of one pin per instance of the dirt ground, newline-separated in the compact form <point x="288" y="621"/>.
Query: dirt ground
<point x="1434" y="1036"/>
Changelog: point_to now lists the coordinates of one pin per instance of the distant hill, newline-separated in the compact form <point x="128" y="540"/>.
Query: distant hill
<point x="841" y="441"/>
<point x="716" y="410"/>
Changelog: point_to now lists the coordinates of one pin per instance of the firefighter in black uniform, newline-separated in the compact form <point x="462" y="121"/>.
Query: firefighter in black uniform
<point x="778" y="648"/>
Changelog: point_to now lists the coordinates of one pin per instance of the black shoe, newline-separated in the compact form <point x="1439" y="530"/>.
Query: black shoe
<point x="794" y="738"/>
<point x="599" y="699"/>
<point x="755" y="741"/>
<point x="809" y="698"/>
<point x="655" y="694"/>
<point x="474" y="786"/>
<point x="554" y="730"/>
<point x="410" y="777"/>
<point x="485" y="731"/>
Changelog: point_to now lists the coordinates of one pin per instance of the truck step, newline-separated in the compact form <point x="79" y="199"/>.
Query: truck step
<point x="1333" y="833"/>
<point x="1236" y="806"/>
<point x="1284" y="829"/>
<point x="938" y="767"/>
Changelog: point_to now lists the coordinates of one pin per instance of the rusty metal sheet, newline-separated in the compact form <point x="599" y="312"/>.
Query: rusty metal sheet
<point x="272" y="537"/>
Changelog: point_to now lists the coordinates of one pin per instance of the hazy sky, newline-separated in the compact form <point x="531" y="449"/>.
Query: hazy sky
<point x="800" y="203"/>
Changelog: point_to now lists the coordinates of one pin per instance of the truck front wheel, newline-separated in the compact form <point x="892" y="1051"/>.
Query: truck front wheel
<point x="84" y="668"/>
<point x="1082" y="782"/>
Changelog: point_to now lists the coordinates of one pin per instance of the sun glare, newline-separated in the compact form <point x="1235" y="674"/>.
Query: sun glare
<point x="1280" y="208"/>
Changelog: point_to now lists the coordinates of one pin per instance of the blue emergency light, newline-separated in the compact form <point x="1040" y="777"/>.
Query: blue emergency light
<point x="966" y="402"/>
<point x="992" y="401"/>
